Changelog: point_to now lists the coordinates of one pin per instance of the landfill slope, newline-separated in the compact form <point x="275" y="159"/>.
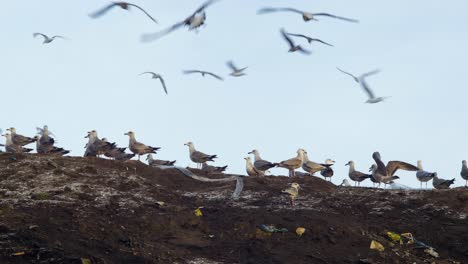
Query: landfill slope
<point x="90" y="210"/>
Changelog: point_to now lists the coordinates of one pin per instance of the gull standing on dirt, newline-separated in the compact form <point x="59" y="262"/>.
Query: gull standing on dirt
<point x="47" y="39"/>
<point x="385" y="174"/>
<point x="203" y="73"/>
<point x="12" y="147"/>
<point x="236" y="72"/>
<point x="294" y="163"/>
<point x="116" y="153"/>
<point x="157" y="76"/>
<point x="307" y="16"/>
<point x="355" y="175"/>
<point x="442" y="183"/>
<point x="250" y="168"/>
<point x="96" y="146"/>
<point x="194" y="21"/>
<point x="310" y="166"/>
<point x="157" y="163"/>
<point x="198" y="157"/>
<point x="260" y="164"/>
<point x="45" y="143"/>
<point x="123" y="5"/>
<point x="328" y="171"/>
<point x="309" y="39"/>
<point x="213" y="169"/>
<point x="137" y="147"/>
<point x="18" y="139"/>
<point x="464" y="172"/>
<point x="293" y="47"/>
<point x="292" y="191"/>
<point x="424" y="176"/>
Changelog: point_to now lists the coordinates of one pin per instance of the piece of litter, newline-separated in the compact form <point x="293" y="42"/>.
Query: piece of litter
<point x="198" y="212"/>
<point x="300" y="231"/>
<point x="18" y="253"/>
<point x="432" y="252"/>
<point x="376" y="245"/>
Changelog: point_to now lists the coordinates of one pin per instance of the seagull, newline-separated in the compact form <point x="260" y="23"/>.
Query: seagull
<point x="213" y="169"/>
<point x="203" y="73"/>
<point x="293" y="163"/>
<point x="385" y="173"/>
<point x="46" y="38"/>
<point x="464" y="172"/>
<point x="311" y="166"/>
<point x="251" y="170"/>
<point x="307" y="16"/>
<point x="293" y="47"/>
<point x="355" y="175"/>
<point x="442" y="183"/>
<point x="236" y="72"/>
<point x="194" y="21"/>
<point x="197" y="156"/>
<point x="261" y="164"/>
<point x="157" y="163"/>
<point x="424" y="176"/>
<point x="361" y="80"/>
<point x="18" y="139"/>
<point x="309" y="39"/>
<point x="292" y="191"/>
<point x="157" y="76"/>
<point x="345" y="183"/>
<point x="11" y="147"/>
<point x="137" y="147"/>
<point x="123" y="5"/>
<point x="328" y="172"/>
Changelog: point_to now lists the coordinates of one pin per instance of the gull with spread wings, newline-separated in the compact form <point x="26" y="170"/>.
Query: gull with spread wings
<point x="47" y="39"/>
<point x="157" y="76"/>
<point x="203" y="73"/>
<point x="123" y="5"/>
<point x="236" y="72"/>
<point x="307" y="16"/>
<point x="293" y="47"/>
<point x="362" y="81"/>
<point x="309" y="39"/>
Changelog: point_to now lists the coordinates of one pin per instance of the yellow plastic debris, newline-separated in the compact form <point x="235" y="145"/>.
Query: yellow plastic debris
<point x="300" y="231"/>
<point x="85" y="261"/>
<point x="18" y="253"/>
<point x="395" y="237"/>
<point x="198" y="212"/>
<point x="376" y="245"/>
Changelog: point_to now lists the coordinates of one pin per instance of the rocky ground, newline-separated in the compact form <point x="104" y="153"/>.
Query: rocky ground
<point x="89" y="210"/>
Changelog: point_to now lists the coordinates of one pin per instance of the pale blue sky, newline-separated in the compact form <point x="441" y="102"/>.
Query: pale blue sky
<point x="285" y="102"/>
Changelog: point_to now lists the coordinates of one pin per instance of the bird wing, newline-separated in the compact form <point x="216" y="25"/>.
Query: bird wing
<point x="146" y="13"/>
<point x="102" y="11"/>
<point x="304" y="51"/>
<point x="159" y="34"/>
<point x="288" y="39"/>
<point x="199" y="155"/>
<point x="267" y="10"/>
<point x="191" y="71"/>
<point x="163" y="83"/>
<point x="214" y="75"/>
<point x="337" y="17"/>
<point x="347" y="73"/>
<point x="40" y="34"/>
<point x="152" y="73"/>
<point x="393" y="166"/>
<point x="263" y="164"/>
<point x="381" y="169"/>
<point x="202" y="7"/>
<point x="321" y="41"/>
<point x="365" y="86"/>
<point x="231" y="65"/>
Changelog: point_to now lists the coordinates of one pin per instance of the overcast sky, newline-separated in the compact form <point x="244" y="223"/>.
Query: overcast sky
<point x="285" y="102"/>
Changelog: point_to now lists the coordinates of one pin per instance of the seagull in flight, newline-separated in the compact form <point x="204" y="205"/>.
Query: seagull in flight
<point x="123" y="5"/>
<point x="307" y="16"/>
<point x="203" y="73"/>
<point x="309" y="39"/>
<point x="236" y="72"/>
<point x="46" y="38"/>
<point x="157" y="76"/>
<point x="362" y="81"/>
<point x="293" y="47"/>
<point x="194" y="21"/>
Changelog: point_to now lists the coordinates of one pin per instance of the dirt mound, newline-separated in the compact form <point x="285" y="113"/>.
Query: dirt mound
<point x="75" y="210"/>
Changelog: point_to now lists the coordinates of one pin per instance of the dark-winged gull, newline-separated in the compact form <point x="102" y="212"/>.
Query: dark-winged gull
<point x="18" y="139"/>
<point x="362" y="81"/>
<point x="328" y="171"/>
<point x="12" y="147"/>
<point x="310" y="166"/>
<point x="49" y="149"/>
<point x="157" y="76"/>
<point x="424" y="176"/>
<point x="309" y="39"/>
<point x="293" y="163"/>
<point x="123" y="5"/>
<point x="307" y="16"/>
<point x="203" y="73"/>
<point x="137" y="147"/>
<point x="261" y="164"/>
<point x="194" y="21"/>
<point x="213" y="169"/>
<point x="292" y="46"/>
<point x="156" y="162"/>
<point x="292" y="191"/>
<point x="236" y="72"/>
<point x="116" y="153"/>
<point x="96" y="146"/>
<point x="198" y="157"/>
<point x="355" y="175"/>
<point x="47" y="39"/>
<point x="442" y="183"/>
<point x="385" y="173"/>
<point x="251" y="170"/>
<point x="464" y="172"/>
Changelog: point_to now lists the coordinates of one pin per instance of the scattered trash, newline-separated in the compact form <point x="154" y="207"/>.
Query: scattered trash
<point x="395" y="237"/>
<point x="160" y="203"/>
<point x="198" y="212"/>
<point x="412" y="240"/>
<point x="432" y="252"/>
<point x="33" y="226"/>
<point x="272" y="229"/>
<point x="85" y="261"/>
<point x="300" y="231"/>
<point x="18" y="253"/>
<point x="376" y="245"/>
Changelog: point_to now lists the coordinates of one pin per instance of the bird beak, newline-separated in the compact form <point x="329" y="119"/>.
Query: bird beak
<point x="251" y="152"/>
<point x="126" y="134"/>
<point x="370" y="169"/>
<point x="347" y="164"/>
<point x="185" y="144"/>
<point x="7" y="130"/>
<point x="87" y="136"/>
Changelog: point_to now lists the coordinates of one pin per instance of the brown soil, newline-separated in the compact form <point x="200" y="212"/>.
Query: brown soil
<point x="68" y="209"/>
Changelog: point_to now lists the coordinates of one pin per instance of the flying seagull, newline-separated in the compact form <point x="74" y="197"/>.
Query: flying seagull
<point x="236" y="72"/>
<point x="309" y="39"/>
<point x="385" y="173"/>
<point x="362" y="81"/>
<point x="293" y="47"/>
<point x="203" y="73"/>
<point x="307" y="16"/>
<point x="157" y="76"/>
<point x="123" y="5"/>
<point x="194" y="21"/>
<point x="47" y="39"/>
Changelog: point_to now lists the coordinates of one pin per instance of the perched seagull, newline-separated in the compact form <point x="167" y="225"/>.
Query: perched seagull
<point x="46" y="38"/>
<point x="361" y="80"/>
<point x="123" y="5"/>
<point x="96" y="146"/>
<point x="328" y="171"/>
<point x="251" y="170"/>
<point x="311" y="166"/>
<point x="307" y="16"/>
<point x="203" y="73"/>
<point x="424" y="176"/>
<point x="355" y="175"/>
<point x="236" y="72"/>
<point x="442" y="183"/>
<point x="137" y="147"/>
<point x="211" y="169"/>
<point x="345" y="183"/>
<point x="157" y="163"/>
<point x="157" y="76"/>
<point x="48" y="149"/>
<point x="18" y="139"/>
<point x="194" y="21"/>
<point x="116" y="153"/>
<point x="464" y="172"/>
<point x="294" y="163"/>
<point x="292" y="191"/>
<point x="260" y="164"/>
<point x="309" y="39"/>
<point x="385" y="173"/>
<point x="293" y="47"/>
<point x="197" y="156"/>
<point x="12" y="147"/>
